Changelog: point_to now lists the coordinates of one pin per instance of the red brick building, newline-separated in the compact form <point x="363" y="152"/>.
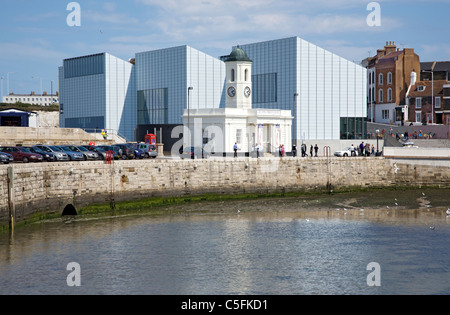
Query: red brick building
<point x="389" y="76"/>
<point x="430" y="97"/>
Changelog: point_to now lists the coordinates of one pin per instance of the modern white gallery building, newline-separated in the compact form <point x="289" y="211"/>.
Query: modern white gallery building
<point x="326" y="93"/>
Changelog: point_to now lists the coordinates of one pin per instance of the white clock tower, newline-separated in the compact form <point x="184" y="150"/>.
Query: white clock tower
<point x="238" y="83"/>
<point x="238" y="123"/>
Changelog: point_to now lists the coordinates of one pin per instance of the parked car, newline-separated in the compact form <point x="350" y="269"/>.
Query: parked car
<point x="345" y="152"/>
<point x="87" y="155"/>
<point x="127" y="151"/>
<point x="149" y="149"/>
<point x="138" y="153"/>
<point x="194" y="153"/>
<point x="73" y="156"/>
<point x="60" y="155"/>
<point x="22" y="154"/>
<point x="6" y="158"/>
<point x="48" y="156"/>
<point x="117" y="151"/>
<point x="100" y="151"/>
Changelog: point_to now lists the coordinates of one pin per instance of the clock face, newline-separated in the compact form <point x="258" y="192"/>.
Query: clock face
<point x="247" y="91"/>
<point x="231" y="91"/>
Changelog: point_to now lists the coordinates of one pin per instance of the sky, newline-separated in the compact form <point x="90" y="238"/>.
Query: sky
<point x="36" y="36"/>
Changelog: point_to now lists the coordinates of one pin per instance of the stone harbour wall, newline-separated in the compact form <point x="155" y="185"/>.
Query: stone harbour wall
<point x="50" y="187"/>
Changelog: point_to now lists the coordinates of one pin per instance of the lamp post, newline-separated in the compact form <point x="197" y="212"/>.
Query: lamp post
<point x="189" y="125"/>
<point x="1" y="100"/>
<point x="34" y="77"/>
<point x="432" y="94"/>
<point x="378" y="136"/>
<point x="7" y="81"/>
<point x="293" y="114"/>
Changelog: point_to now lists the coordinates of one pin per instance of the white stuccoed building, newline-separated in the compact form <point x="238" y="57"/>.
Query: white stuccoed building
<point x="219" y="129"/>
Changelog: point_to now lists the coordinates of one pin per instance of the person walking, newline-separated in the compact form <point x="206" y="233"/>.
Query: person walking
<point x="235" y="148"/>
<point x="316" y="149"/>
<point x="311" y="150"/>
<point x="294" y="150"/>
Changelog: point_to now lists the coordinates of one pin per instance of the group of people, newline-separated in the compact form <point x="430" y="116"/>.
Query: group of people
<point x="363" y="150"/>
<point x="313" y="151"/>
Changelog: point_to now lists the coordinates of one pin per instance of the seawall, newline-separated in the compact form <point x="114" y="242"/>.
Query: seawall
<point x="50" y="187"/>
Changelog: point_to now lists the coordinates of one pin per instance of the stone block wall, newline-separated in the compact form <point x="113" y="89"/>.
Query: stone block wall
<point x="50" y="187"/>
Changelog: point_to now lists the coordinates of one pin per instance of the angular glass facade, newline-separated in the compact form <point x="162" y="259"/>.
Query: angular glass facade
<point x="329" y="87"/>
<point x="164" y="76"/>
<point x="98" y="92"/>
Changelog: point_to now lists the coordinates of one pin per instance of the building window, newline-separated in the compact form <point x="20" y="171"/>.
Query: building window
<point x="418" y="117"/>
<point x="265" y="88"/>
<point x="232" y="75"/>
<point x="239" y="136"/>
<point x="437" y="102"/>
<point x="152" y="106"/>
<point x="389" y="78"/>
<point x="385" y="113"/>
<point x="418" y="102"/>
<point x="421" y="88"/>
<point x="380" y="79"/>
<point x="389" y="95"/>
<point x="380" y="96"/>
<point x="246" y="75"/>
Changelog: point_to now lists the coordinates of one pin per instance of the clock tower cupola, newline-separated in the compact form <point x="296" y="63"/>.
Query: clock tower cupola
<point x="238" y="82"/>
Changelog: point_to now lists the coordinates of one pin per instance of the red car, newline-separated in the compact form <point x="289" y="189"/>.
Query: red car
<point x="22" y="154"/>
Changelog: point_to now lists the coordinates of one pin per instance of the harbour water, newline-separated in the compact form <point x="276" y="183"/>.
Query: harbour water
<point x="283" y="246"/>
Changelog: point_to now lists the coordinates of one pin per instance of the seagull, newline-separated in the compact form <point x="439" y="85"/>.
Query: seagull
<point x="239" y="211"/>
<point x="448" y="211"/>
<point x="396" y="204"/>
<point x="423" y="194"/>
<point x="431" y="227"/>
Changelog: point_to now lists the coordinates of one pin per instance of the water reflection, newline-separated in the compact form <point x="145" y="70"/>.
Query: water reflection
<point x="315" y="250"/>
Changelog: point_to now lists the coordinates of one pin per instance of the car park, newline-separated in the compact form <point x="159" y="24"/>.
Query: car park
<point x="60" y="155"/>
<point x="87" y="155"/>
<point x="100" y="151"/>
<point x="48" y="156"/>
<point x="22" y="154"/>
<point x="73" y="156"/>
<point x="6" y="158"/>
<point x="346" y="152"/>
<point x="194" y="153"/>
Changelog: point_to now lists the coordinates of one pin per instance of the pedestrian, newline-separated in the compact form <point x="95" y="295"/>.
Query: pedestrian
<point x="316" y="149"/>
<point x="282" y="150"/>
<point x="352" y="150"/>
<point x="303" y="150"/>
<point x="257" y="151"/>
<point x="104" y="134"/>
<point x="294" y="150"/>
<point x="361" y="148"/>
<point x="311" y="150"/>
<point x="235" y="148"/>
<point x="373" y="150"/>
